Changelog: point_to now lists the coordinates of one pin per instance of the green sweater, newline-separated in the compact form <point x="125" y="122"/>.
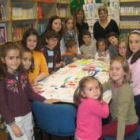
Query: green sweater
<point x="122" y="106"/>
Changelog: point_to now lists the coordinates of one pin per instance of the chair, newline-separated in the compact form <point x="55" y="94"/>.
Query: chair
<point x="133" y="136"/>
<point x="55" y="119"/>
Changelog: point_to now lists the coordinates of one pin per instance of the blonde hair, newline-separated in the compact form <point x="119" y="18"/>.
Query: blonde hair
<point x="74" y="24"/>
<point x="125" y="66"/>
<point x="77" y="94"/>
<point x="102" y="8"/>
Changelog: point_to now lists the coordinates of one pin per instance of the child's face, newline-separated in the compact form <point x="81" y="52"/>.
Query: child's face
<point x="31" y="42"/>
<point x="116" y="72"/>
<point x="80" y="16"/>
<point x="122" y="49"/>
<point x="87" y="40"/>
<point x="73" y="49"/>
<point x="57" y="25"/>
<point x="101" y="46"/>
<point x="113" y="40"/>
<point x="92" y="90"/>
<point x="52" y="42"/>
<point x="134" y="43"/>
<point x="27" y="60"/>
<point x="12" y="60"/>
<point x="69" y="24"/>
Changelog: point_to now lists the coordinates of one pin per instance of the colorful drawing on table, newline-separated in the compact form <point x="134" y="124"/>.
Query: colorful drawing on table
<point x="102" y="76"/>
<point x="84" y="61"/>
<point x="72" y="65"/>
<point x="97" y="66"/>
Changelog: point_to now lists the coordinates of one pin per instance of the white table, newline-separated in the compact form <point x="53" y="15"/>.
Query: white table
<point x="63" y="83"/>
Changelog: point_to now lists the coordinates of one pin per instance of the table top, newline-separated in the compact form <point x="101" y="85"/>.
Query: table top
<point x="62" y="84"/>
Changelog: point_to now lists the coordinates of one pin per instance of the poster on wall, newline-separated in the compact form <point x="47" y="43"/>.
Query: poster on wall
<point x="75" y="4"/>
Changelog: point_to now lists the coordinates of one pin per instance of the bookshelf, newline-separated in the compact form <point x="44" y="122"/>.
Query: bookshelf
<point x="129" y="15"/>
<point x="16" y="16"/>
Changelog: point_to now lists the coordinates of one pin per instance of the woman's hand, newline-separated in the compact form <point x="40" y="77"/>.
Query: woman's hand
<point x="16" y="130"/>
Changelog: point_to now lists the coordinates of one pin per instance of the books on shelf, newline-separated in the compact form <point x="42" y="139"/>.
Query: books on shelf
<point x="61" y="11"/>
<point x="3" y="33"/>
<point x="41" y="27"/>
<point x="2" y="12"/>
<point x="19" y="30"/>
<point x="22" y="13"/>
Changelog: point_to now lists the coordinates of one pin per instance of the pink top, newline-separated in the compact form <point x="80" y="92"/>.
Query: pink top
<point x="135" y="71"/>
<point x="89" y="115"/>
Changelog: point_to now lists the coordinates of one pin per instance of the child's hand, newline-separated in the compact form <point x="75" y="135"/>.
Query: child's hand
<point x="35" y="83"/>
<point x="51" y="101"/>
<point x="62" y="63"/>
<point x="101" y="59"/>
<point x="74" y="59"/>
<point x="16" y="130"/>
<point x="58" y="65"/>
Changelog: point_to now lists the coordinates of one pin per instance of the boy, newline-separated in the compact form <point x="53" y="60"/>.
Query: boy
<point x="113" y="39"/>
<point x="51" y="52"/>
<point x="88" y="49"/>
<point x="71" y="52"/>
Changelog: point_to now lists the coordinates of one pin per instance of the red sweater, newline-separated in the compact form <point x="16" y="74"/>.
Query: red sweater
<point x="15" y="96"/>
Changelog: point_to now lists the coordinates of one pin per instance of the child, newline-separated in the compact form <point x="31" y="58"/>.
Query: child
<point x="16" y="94"/>
<point x="102" y="51"/>
<point x="70" y="32"/>
<point x="88" y="49"/>
<point x="122" y="108"/>
<point x="113" y="47"/>
<point x="27" y="60"/>
<point x="134" y="61"/>
<point x="80" y="24"/>
<point x="122" y="48"/>
<point x="31" y="41"/>
<point x="71" y="53"/>
<point x="54" y="24"/>
<point x="91" y="109"/>
<point x="51" y="53"/>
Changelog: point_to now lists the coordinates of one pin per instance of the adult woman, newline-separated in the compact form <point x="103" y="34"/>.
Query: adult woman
<point x="104" y="26"/>
<point x="80" y="24"/>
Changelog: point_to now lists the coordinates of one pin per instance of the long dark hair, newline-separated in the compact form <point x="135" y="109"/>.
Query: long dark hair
<point x="136" y="56"/>
<point x="49" y="28"/>
<point x="3" y="53"/>
<point x="27" y="33"/>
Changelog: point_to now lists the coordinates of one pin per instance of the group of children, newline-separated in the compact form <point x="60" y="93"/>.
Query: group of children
<point x="125" y="86"/>
<point x="36" y="61"/>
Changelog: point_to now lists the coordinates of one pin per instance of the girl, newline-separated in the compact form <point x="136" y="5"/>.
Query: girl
<point x="124" y="118"/>
<point x="122" y="48"/>
<point x="134" y="60"/>
<point x="16" y="94"/>
<point x="91" y="109"/>
<point x="71" y="53"/>
<point x="27" y="60"/>
<point x="102" y="52"/>
<point x="54" y="24"/>
<point x="70" y="32"/>
<point x="31" y="41"/>
<point x="80" y="24"/>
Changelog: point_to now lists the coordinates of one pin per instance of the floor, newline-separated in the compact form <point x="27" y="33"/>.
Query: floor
<point x="3" y="136"/>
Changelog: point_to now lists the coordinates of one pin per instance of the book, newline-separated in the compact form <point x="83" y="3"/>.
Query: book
<point x="2" y="12"/>
<point x="3" y="33"/>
